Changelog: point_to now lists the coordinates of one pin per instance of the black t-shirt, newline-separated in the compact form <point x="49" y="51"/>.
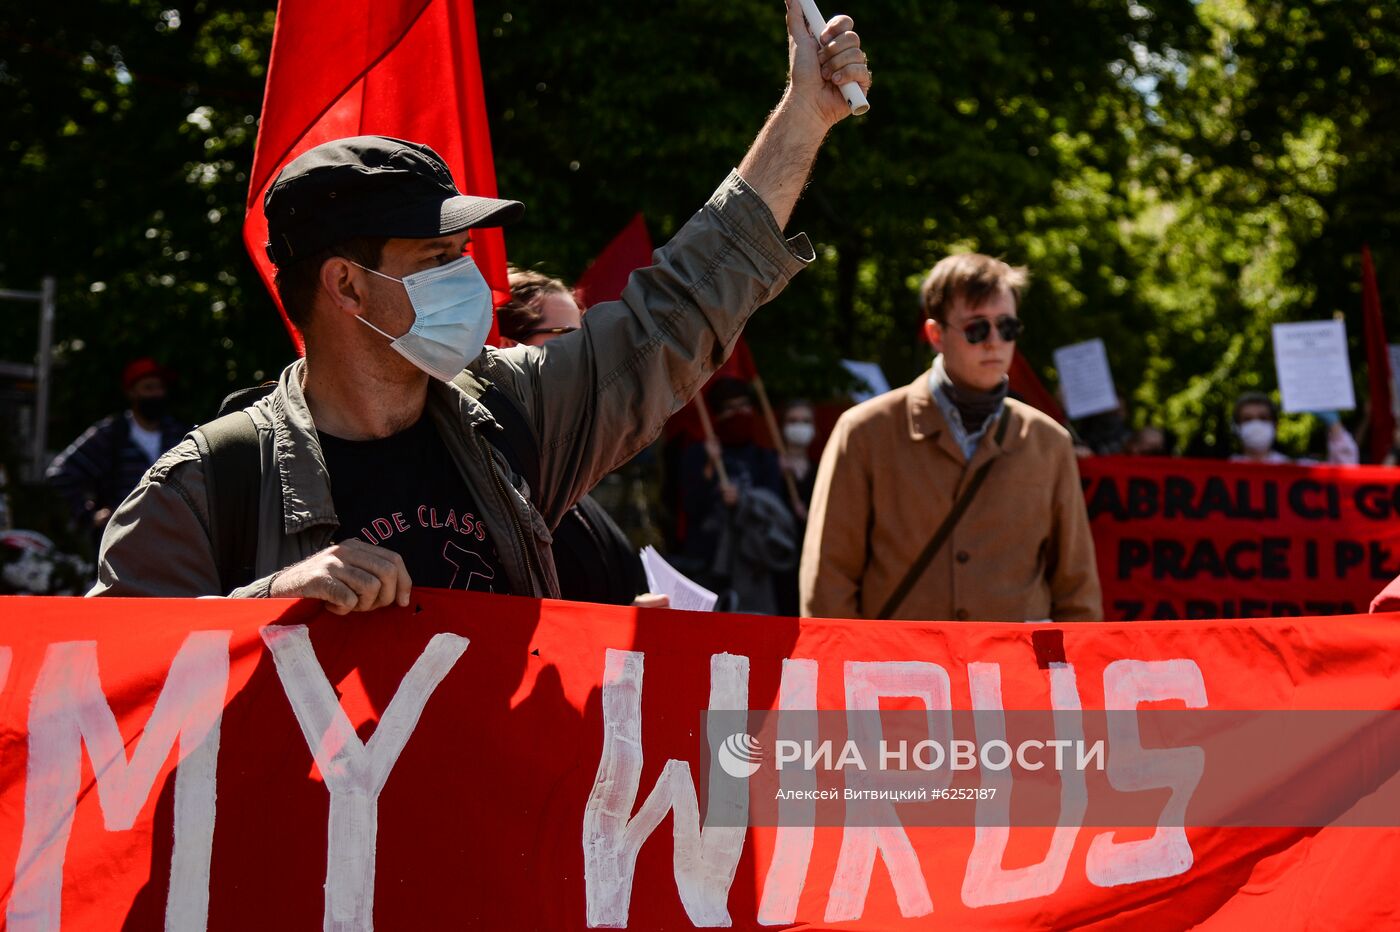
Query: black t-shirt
<point x="405" y="493"/>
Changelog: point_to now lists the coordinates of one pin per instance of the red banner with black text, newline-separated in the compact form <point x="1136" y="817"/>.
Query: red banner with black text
<point x="1208" y="539"/>
<point x="479" y="761"/>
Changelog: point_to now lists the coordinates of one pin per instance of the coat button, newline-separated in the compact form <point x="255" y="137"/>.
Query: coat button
<point x="964" y="556"/>
<point x="961" y="614"/>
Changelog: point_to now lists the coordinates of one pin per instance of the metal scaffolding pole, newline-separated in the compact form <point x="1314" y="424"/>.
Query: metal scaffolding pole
<point x="44" y="366"/>
<point x="42" y="369"/>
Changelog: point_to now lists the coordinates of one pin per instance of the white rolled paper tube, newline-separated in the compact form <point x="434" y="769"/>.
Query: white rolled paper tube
<point x="850" y="90"/>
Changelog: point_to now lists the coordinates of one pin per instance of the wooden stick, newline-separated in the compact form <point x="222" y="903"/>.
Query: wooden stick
<point x="709" y="429"/>
<point x="777" y="441"/>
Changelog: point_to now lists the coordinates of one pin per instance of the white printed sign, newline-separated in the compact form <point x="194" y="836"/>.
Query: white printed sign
<point x="868" y="374"/>
<point x="1085" y="379"/>
<point x="1314" y="371"/>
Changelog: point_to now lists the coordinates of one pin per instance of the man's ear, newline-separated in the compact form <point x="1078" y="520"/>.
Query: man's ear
<point x="933" y="332"/>
<point x="343" y="285"/>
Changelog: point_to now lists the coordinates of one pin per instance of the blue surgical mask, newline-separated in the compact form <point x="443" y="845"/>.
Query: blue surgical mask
<point x="452" y="317"/>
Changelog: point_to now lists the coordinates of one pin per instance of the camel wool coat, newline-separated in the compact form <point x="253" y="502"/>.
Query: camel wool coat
<point x="890" y="474"/>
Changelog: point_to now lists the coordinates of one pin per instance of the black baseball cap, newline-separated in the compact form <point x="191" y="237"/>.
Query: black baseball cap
<point x="370" y="186"/>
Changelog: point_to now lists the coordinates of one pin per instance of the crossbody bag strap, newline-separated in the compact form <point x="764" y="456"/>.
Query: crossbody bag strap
<point x="945" y="529"/>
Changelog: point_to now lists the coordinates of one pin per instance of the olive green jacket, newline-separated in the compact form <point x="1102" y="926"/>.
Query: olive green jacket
<point x="594" y="398"/>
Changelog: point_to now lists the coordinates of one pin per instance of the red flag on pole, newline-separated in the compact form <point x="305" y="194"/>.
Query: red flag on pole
<point x="1028" y="387"/>
<point x="402" y="68"/>
<point x="1377" y="363"/>
<point x="607" y="275"/>
<point x="604" y="280"/>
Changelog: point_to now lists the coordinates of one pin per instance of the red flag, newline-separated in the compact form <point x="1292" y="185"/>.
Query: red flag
<point x="607" y="275"/>
<point x="403" y="68"/>
<point x="1027" y="386"/>
<point x="604" y="280"/>
<point x="1377" y="363"/>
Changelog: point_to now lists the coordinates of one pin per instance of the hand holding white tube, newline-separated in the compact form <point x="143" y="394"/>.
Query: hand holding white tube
<point x="850" y="90"/>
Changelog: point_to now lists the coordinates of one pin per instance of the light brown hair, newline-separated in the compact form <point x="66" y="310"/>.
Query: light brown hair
<point x="971" y="276"/>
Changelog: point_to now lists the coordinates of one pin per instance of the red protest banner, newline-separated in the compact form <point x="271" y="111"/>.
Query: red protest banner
<point x="1205" y="539"/>
<point x="491" y="762"/>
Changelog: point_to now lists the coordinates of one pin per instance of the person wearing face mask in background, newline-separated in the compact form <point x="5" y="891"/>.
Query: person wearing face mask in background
<point x="1256" y="425"/>
<point x="799" y="430"/>
<point x="99" y="469"/>
<point x="740" y="528"/>
<point x="378" y="462"/>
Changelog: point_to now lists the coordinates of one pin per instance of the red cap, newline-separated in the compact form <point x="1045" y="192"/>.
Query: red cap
<point x="142" y="368"/>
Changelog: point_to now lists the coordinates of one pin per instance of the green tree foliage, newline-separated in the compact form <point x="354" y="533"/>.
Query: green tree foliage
<point x="1005" y="127"/>
<point x="123" y="172"/>
<point x="1275" y="160"/>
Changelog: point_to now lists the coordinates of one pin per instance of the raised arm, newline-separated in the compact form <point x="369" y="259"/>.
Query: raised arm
<point x="779" y="161"/>
<point x="645" y="356"/>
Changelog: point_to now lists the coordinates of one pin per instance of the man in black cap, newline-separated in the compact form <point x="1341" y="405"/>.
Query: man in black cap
<point x="99" y="469"/>
<point x="402" y="452"/>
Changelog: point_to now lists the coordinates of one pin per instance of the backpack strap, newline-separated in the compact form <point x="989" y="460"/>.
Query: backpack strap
<point x="516" y="440"/>
<point x="233" y="481"/>
<point x="945" y="529"/>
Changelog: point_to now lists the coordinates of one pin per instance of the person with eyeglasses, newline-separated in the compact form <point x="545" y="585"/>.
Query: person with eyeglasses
<point x="539" y="309"/>
<point x="946" y="499"/>
<point x="593" y="558"/>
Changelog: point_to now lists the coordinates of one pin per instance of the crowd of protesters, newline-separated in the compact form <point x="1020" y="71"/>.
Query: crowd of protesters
<point x="945" y="499"/>
<point x="936" y="466"/>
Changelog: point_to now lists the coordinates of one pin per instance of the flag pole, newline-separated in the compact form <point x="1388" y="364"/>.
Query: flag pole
<point x="777" y="440"/>
<point x="709" y="429"/>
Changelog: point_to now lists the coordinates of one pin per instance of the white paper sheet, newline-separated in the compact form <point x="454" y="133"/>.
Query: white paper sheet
<point x="1085" y="379"/>
<point x="684" y="594"/>
<point x="868" y="373"/>
<point x="1314" y="371"/>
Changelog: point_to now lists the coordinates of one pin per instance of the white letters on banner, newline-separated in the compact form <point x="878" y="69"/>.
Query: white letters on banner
<point x="1132" y="768"/>
<point x="866" y="684"/>
<point x="792" y="848"/>
<point x="986" y="882"/>
<point x="68" y="709"/>
<point x="704" y="859"/>
<point x="69" y="712"/>
<point x="355" y="771"/>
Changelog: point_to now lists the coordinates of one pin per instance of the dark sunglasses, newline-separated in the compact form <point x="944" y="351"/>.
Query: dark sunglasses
<point x="1008" y="328"/>
<point x="555" y="331"/>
